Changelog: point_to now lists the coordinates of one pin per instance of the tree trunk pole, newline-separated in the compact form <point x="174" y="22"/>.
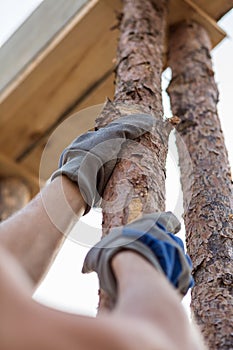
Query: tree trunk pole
<point x="14" y="195"/>
<point x="137" y="184"/>
<point x="207" y="185"/>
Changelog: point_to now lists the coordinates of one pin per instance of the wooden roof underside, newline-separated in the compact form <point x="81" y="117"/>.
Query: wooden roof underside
<point x="59" y="62"/>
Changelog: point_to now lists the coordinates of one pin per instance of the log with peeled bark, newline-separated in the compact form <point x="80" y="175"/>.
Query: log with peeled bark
<point x="14" y="195"/>
<point x="206" y="182"/>
<point x="137" y="184"/>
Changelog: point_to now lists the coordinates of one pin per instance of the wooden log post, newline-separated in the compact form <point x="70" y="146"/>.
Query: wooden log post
<point x="207" y="185"/>
<point x="14" y="195"/>
<point x="137" y="184"/>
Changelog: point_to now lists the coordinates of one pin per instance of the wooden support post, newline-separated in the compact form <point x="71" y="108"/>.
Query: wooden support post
<point x="14" y="195"/>
<point x="138" y="183"/>
<point x="17" y="187"/>
<point x="207" y="185"/>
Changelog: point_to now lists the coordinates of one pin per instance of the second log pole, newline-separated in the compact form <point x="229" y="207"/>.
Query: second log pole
<point x="207" y="184"/>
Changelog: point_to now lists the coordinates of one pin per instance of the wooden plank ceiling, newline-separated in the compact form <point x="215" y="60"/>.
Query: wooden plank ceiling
<point x="59" y="62"/>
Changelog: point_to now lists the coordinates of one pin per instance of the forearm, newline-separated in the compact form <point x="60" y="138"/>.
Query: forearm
<point x="35" y="234"/>
<point x="43" y="327"/>
<point x="52" y="329"/>
<point x="158" y="304"/>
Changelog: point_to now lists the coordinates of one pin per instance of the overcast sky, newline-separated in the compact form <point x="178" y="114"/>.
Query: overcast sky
<point x="64" y="286"/>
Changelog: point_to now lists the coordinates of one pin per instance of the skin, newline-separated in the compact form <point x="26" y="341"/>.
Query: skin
<point x="148" y="314"/>
<point x="42" y="226"/>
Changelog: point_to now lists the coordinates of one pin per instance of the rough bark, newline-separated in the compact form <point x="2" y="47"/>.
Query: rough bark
<point x="14" y="195"/>
<point x="138" y="183"/>
<point x="207" y="185"/>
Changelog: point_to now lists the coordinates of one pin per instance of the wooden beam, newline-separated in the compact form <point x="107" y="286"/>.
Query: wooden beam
<point x="31" y="160"/>
<point x="181" y="10"/>
<point x="60" y="64"/>
<point x="65" y="73"/>
<point x="215" y="8"/>
<point x="63" y="134"/>
<point x="197" y="14"/>
<point x="35" y="35"/>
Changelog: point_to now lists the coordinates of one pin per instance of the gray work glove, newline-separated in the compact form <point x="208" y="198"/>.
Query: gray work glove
<point x="90" y="159"/>
<point x="151" y="236"/>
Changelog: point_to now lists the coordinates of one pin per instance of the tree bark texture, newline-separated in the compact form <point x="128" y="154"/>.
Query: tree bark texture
<point x="137" y="184"/>
<point x="14" y="195"/>
<point x="207" y="185"/>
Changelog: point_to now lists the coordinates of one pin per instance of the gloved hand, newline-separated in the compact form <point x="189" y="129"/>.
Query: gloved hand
<point x="151" y="236"/>
<point x="91" y="158"/>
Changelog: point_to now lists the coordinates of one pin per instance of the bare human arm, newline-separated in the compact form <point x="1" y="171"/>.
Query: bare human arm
<point x="147" y="314"/>
<point x="35" y="234"/>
